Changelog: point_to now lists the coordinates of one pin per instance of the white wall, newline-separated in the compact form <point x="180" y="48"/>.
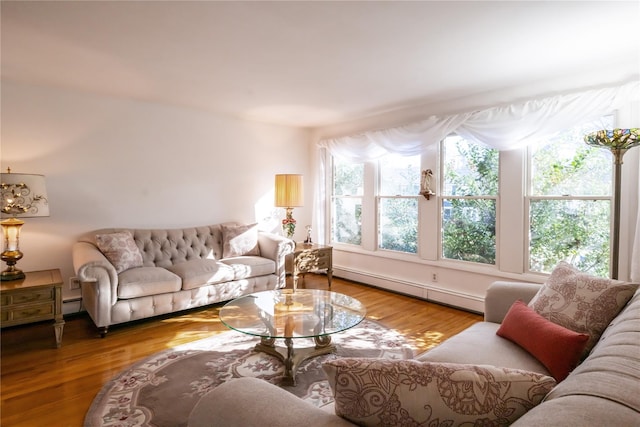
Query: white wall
<point x="122" y="163"/>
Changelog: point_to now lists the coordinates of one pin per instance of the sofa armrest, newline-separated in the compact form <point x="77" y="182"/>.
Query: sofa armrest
<point x="501" y="295"/>
<point x="276" y="247"/>
<point x="253" y="402"/>
<point x="99" y="281"/>
<point x="91" y="265"/>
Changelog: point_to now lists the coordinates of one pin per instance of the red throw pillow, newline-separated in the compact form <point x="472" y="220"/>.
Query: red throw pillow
<point x="556" y="347"/>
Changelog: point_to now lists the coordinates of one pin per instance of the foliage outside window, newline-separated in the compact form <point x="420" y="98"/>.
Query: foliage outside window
<point x="567" y="202"/>
<point x="570" y="201"/>
<point x="398" y="203"/>
<point x="346" y="206"/>
<point x="469" y="193"/>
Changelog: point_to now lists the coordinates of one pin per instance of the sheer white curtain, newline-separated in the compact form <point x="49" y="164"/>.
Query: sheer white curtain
<point x="505" y="127"/>
<point x="635" y="244"/>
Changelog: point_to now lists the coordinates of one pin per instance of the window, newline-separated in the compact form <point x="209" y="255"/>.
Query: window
<point x="538" y="205"/>
<point x="346" y="206"/>
<point x="569" y="201"/>
<point x="398" y="203"/>
<point x="469" y="195"/>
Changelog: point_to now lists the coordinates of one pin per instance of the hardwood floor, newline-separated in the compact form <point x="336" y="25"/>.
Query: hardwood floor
<point x="42" y="385"/>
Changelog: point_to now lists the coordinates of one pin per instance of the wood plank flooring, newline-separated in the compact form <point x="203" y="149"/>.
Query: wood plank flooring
<point x="41" y="385"/>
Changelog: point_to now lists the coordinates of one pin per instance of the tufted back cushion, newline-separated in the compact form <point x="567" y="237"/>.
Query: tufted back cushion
<point x="163" y="248"/>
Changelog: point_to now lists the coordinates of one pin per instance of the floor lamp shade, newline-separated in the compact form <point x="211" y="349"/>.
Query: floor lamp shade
<point x="289" y="193"/>
<point x="22" y="196"/>
<point x="618" y="141"/>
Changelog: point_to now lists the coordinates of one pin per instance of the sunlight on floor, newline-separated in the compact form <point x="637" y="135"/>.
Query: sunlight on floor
<point x="197" y="326"/>
<point x="184" y="319"/>
<point x="429" y="339"/>
<point x="190" y="336"/>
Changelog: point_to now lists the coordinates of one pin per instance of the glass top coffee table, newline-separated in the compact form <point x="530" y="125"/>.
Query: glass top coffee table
<point x="290" y="315"/>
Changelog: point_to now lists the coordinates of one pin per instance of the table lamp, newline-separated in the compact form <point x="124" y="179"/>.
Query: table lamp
<point x="289" y="193"/>
<point x="23" y="196"/>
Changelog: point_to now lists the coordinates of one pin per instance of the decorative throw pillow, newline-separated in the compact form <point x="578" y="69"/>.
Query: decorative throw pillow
<point x="374" y="392"/>
<point x="559" y="349"/>
<point x="580" y="302"/>
<point x="120" y="249"/>
<point x="239" y="240"/>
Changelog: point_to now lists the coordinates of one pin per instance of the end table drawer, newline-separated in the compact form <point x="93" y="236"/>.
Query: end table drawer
<point x="308" y="262"/>
<point x="34" y="298"/>
<point x="28" y="297"/>
<point x="31" y="312"/>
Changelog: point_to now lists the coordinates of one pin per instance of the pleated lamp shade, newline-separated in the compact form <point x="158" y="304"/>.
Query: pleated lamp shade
<point x="289" y="191"/>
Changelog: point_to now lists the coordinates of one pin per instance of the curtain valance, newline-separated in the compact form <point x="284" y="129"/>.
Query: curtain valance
<point x="504" y="128"/>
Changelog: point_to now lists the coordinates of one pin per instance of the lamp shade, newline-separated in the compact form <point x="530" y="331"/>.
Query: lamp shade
<point x="23" y="195"/>
<point x="621" y="139"/>
<point x="289" y="191"/>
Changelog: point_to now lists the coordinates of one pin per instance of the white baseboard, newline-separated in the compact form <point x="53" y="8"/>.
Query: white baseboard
<point x="420" y="290"/>
<point x="72" y="306"/>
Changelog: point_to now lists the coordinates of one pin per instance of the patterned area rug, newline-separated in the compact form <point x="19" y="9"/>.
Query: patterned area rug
<point x="162" y="389"/>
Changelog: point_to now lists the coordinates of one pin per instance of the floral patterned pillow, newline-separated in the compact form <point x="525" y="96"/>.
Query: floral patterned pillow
<point x="239" y="240"/>
<point x="385" y="392"/>
<point x="120" y="249"/>
<point x="580" y="302"/>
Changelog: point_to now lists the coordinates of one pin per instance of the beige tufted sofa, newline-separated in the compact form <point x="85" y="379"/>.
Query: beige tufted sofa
<point x="181" y="269"/>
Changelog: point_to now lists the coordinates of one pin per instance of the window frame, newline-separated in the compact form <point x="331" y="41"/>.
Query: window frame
<point x="530" y="197"/>
<point x="512" y="219"/>
<point x="380" y="197"/>
<point x="442" y="197"/>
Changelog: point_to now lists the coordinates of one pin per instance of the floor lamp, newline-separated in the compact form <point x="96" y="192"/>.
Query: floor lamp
<point x="618" y="141"/>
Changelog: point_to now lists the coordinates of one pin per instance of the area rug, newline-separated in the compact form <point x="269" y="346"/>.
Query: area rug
<point x="163" y="389"/>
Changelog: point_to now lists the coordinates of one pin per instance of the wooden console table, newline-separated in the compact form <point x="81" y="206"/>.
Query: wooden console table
<point x="35" y="298"/>
<point x="311" y="257"/>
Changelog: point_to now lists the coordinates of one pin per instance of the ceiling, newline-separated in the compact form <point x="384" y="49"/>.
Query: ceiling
<point x="313" y="64"/>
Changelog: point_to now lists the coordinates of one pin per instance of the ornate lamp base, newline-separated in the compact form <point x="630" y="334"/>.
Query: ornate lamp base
<point x="11" y="273"/>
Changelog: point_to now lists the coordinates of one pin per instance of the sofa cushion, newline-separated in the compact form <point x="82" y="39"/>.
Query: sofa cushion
<point x="558" y="348"/>
<point x="145" y="281"/>
<point x="200" y="272"/>
<point x="239" y="240"/>
<point x="120" y="249"/>
<point x="250" y="266"/>
<point x="612" y="370"/>
<point x="579" y="411"/>
<point x="253" y="402"/>
<point x="479" y="345"/>
<point x="581" y="302"/>
<point x="373" y="392"/>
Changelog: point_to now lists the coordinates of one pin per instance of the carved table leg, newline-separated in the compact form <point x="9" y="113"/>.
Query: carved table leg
<point x="58" y="328"/>
<point x="293" y="358"/>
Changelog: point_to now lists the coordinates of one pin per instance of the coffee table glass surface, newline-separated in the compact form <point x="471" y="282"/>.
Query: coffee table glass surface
<point x="303" y="313"/>
<point x="290" y="315"/>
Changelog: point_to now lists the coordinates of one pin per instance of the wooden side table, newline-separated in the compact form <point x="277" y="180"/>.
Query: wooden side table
<point x="35" y="298"/>
<point x="311" y="257"/>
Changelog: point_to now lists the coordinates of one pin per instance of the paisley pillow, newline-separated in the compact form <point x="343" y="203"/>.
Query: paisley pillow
<point x="120" y="249"/>
<point x="374" y="392"/>
<point x="240" y="240"/>
<point x="581" y="302"/>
